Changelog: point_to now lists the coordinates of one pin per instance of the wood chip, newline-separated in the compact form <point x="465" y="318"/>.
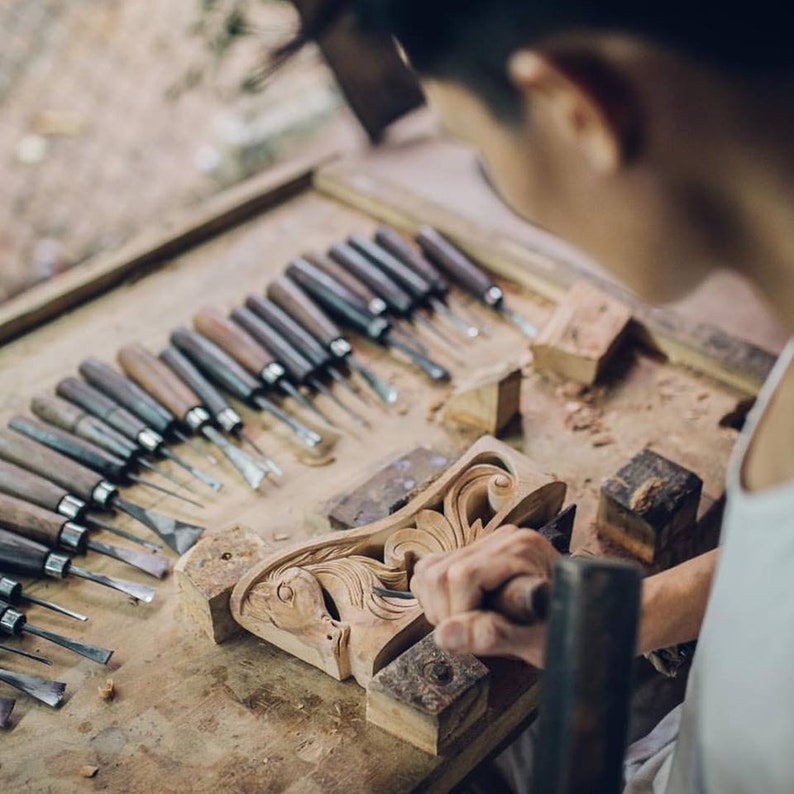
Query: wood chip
<point x="642" y="498"/>
<point x="88" y="771"/>
<point x="602" y="440"/>
<point x="307" y="459"/>
<point x="278" y="536"/>
<point x="107" y="691"/>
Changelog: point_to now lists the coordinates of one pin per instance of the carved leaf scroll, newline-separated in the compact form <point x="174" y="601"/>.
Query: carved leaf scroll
<point x="316" y="601"/>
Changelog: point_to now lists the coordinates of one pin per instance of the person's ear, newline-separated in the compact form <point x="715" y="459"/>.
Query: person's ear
<point x="585" y="99"/>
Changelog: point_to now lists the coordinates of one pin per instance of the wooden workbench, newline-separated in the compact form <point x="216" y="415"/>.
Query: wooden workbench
<point x="244" y="716"/>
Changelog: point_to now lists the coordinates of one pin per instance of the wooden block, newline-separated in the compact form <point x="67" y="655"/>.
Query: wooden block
<point x="207" y="573"/>
<point x="488" y="401"/>
<point x="584" y="332"/>
<point x="391" y="488"/>
<point x="650" y="508"/>
<point x="428" y="697"/>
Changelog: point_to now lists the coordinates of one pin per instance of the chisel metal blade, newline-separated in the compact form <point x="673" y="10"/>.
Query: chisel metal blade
<point x="195" y="447"/>
<point x="524" y="325"/>
<point x="156" y="487"/>
<point x="140" y="591"/>
<point x="305" y="434"/>
<point x="49" y="692"/>
<point x="266" y="459"/>
<point x="385" y="592"/>
<point x="26" y="654"/>
<point x="323" y="389"/>
<point x="177" y="534"/>
<point x="70" y="613"/>
<point x="386" y="392"/>
<point x="252" y="472"/>
<point x="93" y="652"/>
<point x="6" y="707"/>
<point x="150" y="563"/>
<point x="467" y="329"/>
<point x="197" y="473"/>
<point x="98" y="522"/>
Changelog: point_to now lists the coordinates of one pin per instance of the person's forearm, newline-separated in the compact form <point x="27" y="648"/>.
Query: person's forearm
<point x="674" y="603"/>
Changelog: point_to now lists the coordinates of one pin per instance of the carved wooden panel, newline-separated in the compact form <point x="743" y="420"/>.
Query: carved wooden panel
<point x="316" y="601"/>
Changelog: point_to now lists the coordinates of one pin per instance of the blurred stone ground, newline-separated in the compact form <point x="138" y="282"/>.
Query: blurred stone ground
<point x="115" y="113"/>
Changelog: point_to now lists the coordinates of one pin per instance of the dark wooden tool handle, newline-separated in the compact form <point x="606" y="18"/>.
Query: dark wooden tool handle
<point x="34" y="457"/>
<point x="522" y="599"/>
<point x="30" y="521"/>
<point x="336" y="298"/>
<point x="297" y="366"/>
<point x="84" y="452"/>
<point x="21" y="555"/>
<point x="129" y="394"/>
<point x="395" y="297"/>
<point x="399" y="247"/>
<point x="57" y="412"/>
<point x="216" y="363"/>
<point x="233" y="339"/>
<point x="23" y="484"/>
<point x="292" y="331"/>
<point x="289" y="296"/>
<point x="453" y="261"/>
<point x="156" y="378"/>
<point x="410" y="281"/>
<point x="343" y="276"/>
<point x="101" y="406"/>
<point x="184" y="369"/>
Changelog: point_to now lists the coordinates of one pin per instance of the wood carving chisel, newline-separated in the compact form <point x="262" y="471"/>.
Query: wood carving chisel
<point x="54" y="531"/>
<point x="220" y="367"/>
<point x="222" y="412"/>
<point x="14" y="623"/>
<point x="12" y="591"/>
<point x="33" y="488"/>
<point x="297" y="366"/>
<point x="27" y="654"/>
<point x="402" y="301"/>
<point x="420" y="290"/>
<point x="78" y="422"/>
<point x="137" y="401"/>
<point x="133" y="427"/>
<point x="87" y="454"/>
<point x="367" y="296"/>
<point x="461" y="268"/>
<point x="93" y="488"/>
<point x="339" y="301"/>
<point x="41" y="689"/>
<point x="401" y="249"/>
<point x="22" y="555"/>
<point x="156" y="378"/>
<point x="321" y="359"/>
<point x="242" y="347"/>
<point x="304" y="310"/>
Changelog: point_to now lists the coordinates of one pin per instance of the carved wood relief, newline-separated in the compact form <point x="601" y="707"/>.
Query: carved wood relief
<point x="316" y="601"/>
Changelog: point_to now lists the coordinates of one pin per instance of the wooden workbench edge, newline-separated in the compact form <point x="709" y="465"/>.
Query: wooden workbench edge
<point x="704" y="348"/>
<point x="154" y="246"/>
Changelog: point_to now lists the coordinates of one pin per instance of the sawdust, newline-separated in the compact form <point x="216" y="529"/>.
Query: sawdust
<point x="643" y="497"/>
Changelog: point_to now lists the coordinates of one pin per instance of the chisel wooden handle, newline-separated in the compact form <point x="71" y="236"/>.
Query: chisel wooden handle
<point x="30" y="521"/>
<point x="129" y="394"/>
<point x="411" y="282"/>
<point x="233" y="339"/>
<point x="72" y="419"/>
<point x="522" y="599"/>
<point x="84" y="452"/>
<point x="218" y="364"/>
<point x="23" y="484"/>
<point x="399" y="247"/>
<point x="101" y="406"/>
<point x="156" y="378"/>
<point x="21" y="555"/>
<point x="210" y="397"/>
<point x="336" y="298"/>
<point x="334" y="270"/>
<point x="298" y="368"/>
<point x="454" y="262"/>
<point x="284" y="292"/>
<point x="292" y="331"/>
<point x="53" y="466"/>
<point x="396" y="298"/>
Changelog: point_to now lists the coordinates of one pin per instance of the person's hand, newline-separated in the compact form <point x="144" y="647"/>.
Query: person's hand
<point x="451" y="588"/>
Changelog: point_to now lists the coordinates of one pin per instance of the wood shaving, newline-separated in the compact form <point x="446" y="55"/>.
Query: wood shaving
<point x="107" y="691"/>
<point x="602" y="440"/>
<point x="586" y="418"/>
<point x="643" y="497"/>
<point x="307" y="459"/>
<point x="279" y="536"/>
<point x="88" y="771"/>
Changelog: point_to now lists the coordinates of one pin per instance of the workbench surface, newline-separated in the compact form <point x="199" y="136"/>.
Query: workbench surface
<point x="244" y="716"/>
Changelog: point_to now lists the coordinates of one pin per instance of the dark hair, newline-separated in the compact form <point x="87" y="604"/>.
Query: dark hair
<point x="469" y="41"/>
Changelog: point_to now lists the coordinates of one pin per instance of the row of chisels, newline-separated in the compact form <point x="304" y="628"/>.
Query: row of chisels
<point x="279" y="352"/>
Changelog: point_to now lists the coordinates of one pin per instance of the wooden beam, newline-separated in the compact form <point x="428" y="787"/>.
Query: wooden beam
<point x="701" y="347"/>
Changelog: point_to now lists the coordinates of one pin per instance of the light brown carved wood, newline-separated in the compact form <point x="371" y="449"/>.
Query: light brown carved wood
<point x="316" y="601"/>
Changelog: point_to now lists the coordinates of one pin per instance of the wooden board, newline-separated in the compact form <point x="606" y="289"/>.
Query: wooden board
<point x="244" y="716"/>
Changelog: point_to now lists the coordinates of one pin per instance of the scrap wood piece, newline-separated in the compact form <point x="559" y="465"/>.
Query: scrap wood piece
<point x="583" y="334"/>
<point x="207" y="573"/>
<point x="649" y="507"/>
<point x="488" y="400"/>
<point x="429" y="697"/>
